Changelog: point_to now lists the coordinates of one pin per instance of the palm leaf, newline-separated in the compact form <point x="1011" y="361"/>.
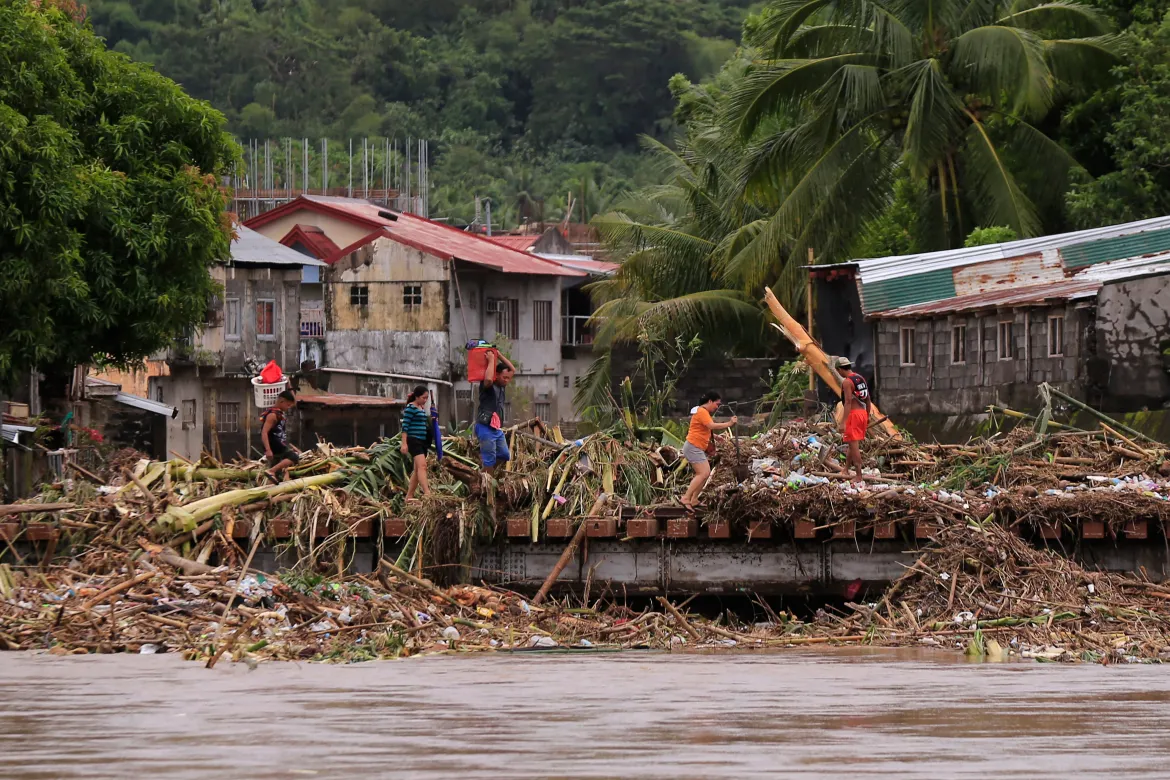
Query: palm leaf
<point x="996" y="61"/>
<point x="994" y="188"/>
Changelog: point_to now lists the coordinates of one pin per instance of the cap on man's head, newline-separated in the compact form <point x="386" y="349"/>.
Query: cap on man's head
<point x="844" y="362"/>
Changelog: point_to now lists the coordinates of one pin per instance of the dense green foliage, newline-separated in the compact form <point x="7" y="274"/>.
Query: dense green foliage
<point x="110" y="213"/>
<point x="850" y="128"/>
<point x="523" y="100"/>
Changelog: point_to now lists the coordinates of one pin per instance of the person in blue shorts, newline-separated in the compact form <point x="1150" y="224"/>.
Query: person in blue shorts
<point x="489" y="422"/>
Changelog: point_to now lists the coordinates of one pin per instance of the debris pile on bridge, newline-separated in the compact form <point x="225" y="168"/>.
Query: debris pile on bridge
<point x="977" y="586"/>
<point x="156" y="556"/>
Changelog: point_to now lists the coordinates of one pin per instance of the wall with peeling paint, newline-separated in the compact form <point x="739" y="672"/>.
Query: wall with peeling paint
<point x="1133" y="329"/>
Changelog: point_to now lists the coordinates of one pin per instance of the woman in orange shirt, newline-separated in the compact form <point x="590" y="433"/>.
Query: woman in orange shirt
<point x="695" y="447"/>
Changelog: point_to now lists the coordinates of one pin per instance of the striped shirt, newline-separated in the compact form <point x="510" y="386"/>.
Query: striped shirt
<point x="416" y="423"/>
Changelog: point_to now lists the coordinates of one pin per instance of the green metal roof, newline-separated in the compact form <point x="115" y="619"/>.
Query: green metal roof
<point x="906" y="290"/>
<point x="1118" y="248"/>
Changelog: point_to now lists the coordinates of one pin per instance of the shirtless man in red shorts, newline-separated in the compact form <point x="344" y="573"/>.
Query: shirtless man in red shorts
<point x="855" y="399"/>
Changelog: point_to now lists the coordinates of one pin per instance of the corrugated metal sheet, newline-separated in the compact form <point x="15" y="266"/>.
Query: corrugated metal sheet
<point x="903" y="291"/>
<point x="878" y="269"/>
<point x="138" y="402"/>
<point x="1013" y="272"/>
<point x="251" y="248"/>
<point x="1134" y="266"/>
<point x="1104" y="250"/>
<point x="519" y="243"/>
<point x="1030" y="295"/>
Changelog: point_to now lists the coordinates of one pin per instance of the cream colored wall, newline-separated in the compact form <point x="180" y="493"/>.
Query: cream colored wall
<point x="135" y="381"/>
<point x="340" y="231"/>
<point x="385" y="267"/>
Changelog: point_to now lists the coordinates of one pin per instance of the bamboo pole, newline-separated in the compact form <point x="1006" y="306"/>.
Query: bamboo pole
<point x="571" y="548"/>
<point x="815" y="356"/>
<point x="1101" y="416"/>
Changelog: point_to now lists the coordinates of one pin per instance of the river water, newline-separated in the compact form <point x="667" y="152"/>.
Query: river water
<point x="850" y="714"/>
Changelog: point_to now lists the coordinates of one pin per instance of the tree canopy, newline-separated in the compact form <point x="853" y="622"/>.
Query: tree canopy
<point x="110" y="209"/>
<point x="529" y="98"/>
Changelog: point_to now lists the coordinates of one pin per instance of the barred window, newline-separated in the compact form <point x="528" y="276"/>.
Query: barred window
<point x="359" y="295"/>
<point x="542" y="321"/>
<point x="227" y="417"/>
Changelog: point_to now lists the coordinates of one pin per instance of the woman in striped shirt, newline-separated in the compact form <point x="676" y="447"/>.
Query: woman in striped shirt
<point x="416" y="439"/>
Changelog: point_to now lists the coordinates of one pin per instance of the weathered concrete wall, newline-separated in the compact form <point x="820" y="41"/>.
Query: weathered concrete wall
<point x="340" y="231"/>
<point x="244" y="289"/>
<point x="135" y="381"/>
<point x="1133" y="328"/>
<point x="934" y="384"/>
<point x="384" y="336"/>
<point x="184" y="432"/>
<point x="396" y="352"/>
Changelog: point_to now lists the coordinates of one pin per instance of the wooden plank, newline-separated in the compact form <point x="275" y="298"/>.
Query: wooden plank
<point x="1137" y="529"/>
<point x="682" y="528"/>
<point x="601" y="527"/>
<point x="760" y="529"/>
<point x="885" y="529"/>
<point x="394" y="527"/>
<point x="804" y="529"/>
<point x="1092" y="529"/>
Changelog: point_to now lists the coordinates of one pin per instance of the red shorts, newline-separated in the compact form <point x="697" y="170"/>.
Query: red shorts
<point x="856" y="425"/>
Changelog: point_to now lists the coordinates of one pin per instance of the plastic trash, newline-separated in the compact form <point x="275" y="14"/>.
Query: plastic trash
<point x="422" y="617"/>
<point x="451" y="633"/>
<point x="148" y="650"/>
<point x="585" y="643"/>
<point x="965" y="617"/>
<point x="345" y="617"/>
<point x="190" y="589"/>
<point x="542" y="641"/>
<point x="525" y="608"/>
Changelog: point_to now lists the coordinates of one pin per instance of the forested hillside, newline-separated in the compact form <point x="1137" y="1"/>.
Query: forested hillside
<point x="520" y="98"/>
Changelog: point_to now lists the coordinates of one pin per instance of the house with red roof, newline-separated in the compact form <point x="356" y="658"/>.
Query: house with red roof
<point x="402" y="295"/>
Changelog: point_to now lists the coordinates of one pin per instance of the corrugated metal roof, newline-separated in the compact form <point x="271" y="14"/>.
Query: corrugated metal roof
<point x="251" y="248"/>
<point x="426" y="235"/>
<point x="1104" y="250"/>
<point x="1133" y="266"/>
<point x="894" y="282"/>
<point x="893" y="267"/>
<point x="997" y="299"/>
<point x="138" y="402"/>
<point x="582" y="263"/>
<point x="902" y="291"/>
<point x="1013" y="272"/>
<point x="519" y="243"/>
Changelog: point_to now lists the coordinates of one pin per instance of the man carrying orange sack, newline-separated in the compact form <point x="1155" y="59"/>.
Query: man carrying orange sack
<point x="855" y="422"/>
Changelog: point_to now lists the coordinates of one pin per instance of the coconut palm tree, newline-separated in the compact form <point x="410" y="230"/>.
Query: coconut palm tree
<point x="848" y="93"/>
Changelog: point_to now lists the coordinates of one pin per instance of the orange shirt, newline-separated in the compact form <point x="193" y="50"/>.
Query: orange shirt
<point x="699" y="433"/>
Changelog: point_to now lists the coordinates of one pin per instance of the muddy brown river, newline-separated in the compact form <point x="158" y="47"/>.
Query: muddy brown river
<point x="852" y="714"/>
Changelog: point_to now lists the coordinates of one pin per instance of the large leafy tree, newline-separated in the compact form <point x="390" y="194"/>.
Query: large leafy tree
<point x="850" y="94"/>
<point x="110" y="209"/>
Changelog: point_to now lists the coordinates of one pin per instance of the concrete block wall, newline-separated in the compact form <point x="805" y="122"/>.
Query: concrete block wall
<point x="937" y="384"/>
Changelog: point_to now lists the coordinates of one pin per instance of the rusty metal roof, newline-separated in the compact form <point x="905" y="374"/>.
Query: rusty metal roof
<point x="1028" y="295"/>
<point x="426" y="235"/>
<point x="519" y="243"/>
